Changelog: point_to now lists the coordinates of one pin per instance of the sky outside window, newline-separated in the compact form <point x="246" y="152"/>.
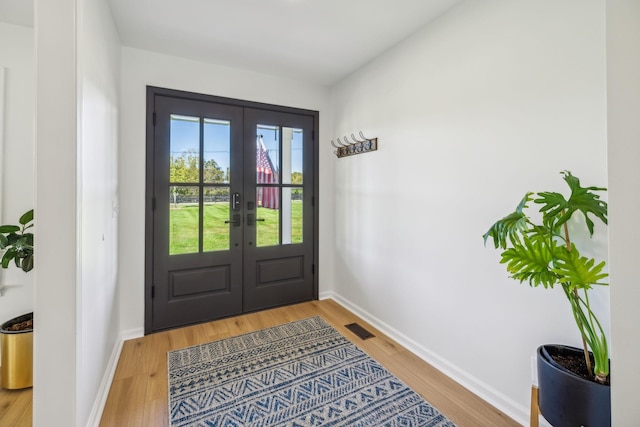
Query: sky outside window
<point x="217" y="134"/>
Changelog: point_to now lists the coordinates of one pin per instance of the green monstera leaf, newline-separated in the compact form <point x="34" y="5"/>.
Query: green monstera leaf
<point x="578" y="271"/>
<point x="557" y="210"/>
<point x="532" y="262"/>
<point x="511" y="227"/>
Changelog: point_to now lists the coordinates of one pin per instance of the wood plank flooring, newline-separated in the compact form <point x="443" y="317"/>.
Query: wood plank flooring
<point x="138" y="395"/>
<point x="16" y="407"/>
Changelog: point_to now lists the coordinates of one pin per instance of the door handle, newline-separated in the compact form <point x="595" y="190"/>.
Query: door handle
<point x="235" y="221"/>
<point x="251" y="219"/>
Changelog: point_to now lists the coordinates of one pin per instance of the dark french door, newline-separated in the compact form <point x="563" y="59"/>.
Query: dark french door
<point x="231" y="221"/>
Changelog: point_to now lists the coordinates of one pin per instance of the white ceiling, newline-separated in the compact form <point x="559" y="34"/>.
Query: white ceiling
<point x="320" y="41"/>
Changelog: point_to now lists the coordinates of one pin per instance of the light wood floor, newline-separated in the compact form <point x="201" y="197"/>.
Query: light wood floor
<point x="15" y="407"/>
<point x="138" y="395"/>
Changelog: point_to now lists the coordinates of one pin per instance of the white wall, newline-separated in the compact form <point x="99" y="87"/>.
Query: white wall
<point x="16" y="154"/>
<point x="77" y="310"/>
<point x="490" y="101"/>
<point x="623" y="76"/>
<point x="98" y="307"/>
<point x="142" y="68"/>
<point x="56" y="207"/>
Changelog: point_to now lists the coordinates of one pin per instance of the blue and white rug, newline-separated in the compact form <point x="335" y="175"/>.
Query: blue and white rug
<point x="302" y="373"/>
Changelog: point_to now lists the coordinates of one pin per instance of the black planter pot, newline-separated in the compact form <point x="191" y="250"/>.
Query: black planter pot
<point x="566" y="399"/>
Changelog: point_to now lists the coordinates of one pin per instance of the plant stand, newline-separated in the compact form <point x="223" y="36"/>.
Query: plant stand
<point x="534" y="413"/>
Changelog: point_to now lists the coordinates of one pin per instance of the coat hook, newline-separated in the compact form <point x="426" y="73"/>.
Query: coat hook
<point x="346" y="138"/>
<point x="356" y="139"/>
<point x="350" y="145"/>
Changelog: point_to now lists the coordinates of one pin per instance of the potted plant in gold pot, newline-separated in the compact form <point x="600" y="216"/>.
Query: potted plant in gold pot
<point x="542" y="253"/>
<point x="16" y="335"/>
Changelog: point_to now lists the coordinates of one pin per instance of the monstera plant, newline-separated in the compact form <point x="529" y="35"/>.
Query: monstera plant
<point x="543" y="254"/>
<point x="17" y="243"/>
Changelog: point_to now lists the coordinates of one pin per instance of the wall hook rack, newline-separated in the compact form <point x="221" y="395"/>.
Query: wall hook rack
<point x="350" y="147"/>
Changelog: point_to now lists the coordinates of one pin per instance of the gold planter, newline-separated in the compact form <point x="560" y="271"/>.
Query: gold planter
<point x="17" y="355"/>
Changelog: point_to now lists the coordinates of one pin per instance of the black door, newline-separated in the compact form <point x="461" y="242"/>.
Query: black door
<point x="278" y="250"/>
<point x="231" y="218"/>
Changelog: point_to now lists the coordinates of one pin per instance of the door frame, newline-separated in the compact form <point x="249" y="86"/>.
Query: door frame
<point x="152" y="92"/>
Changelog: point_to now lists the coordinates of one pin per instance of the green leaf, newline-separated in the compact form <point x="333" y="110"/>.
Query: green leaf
<point x="9" y="228"/>
<point x="12" y="238"/>
<point x="582" y="199"/>
<point x="510" y="227"/>
<point x="27" y="263"/>
<point x="8" y="256"/>
<point x="554" y="205"/>
<point x="18" y="243"/>
<point x="26" y="217"/>
<point x="578" y="271"/>
<point x="531" y="261"/>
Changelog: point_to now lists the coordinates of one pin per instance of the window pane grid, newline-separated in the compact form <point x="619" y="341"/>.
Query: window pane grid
<point x="199" y="184"/>
<point x="279" y="193"/>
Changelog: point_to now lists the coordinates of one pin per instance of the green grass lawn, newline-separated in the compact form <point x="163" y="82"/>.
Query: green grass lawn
<point x="183" y="235"/>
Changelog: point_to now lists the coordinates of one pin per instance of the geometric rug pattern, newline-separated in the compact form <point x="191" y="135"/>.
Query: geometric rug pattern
<point x="299" y="374"/>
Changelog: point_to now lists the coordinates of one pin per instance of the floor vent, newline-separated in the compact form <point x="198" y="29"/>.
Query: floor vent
<point x="361" y="332"/>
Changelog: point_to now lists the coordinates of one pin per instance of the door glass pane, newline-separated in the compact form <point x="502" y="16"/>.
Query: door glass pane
<point x="184" y="160"/>
<point x="217" y="145"/>
<point x="291" y="215"/>
<point x="184" y="212"/>
<point x="216" y="212"/>
<point x="267" y="216"/>
<point x="291" y="156"/>
<point x="267" y="154"/>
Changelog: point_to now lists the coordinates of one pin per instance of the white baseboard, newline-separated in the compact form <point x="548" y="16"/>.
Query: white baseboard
<point x="131" y="334"/>
<point x="105" y="385"/>
<point x="505" y="404"/>
<point x="326" y="295"/>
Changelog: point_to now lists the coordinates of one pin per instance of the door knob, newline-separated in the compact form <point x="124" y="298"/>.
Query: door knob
<point x="235" y="221"/>
<point x="251" y="219"/>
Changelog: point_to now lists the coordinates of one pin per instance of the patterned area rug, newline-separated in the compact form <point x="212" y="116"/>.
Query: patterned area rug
<point x="302" y="373"/>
